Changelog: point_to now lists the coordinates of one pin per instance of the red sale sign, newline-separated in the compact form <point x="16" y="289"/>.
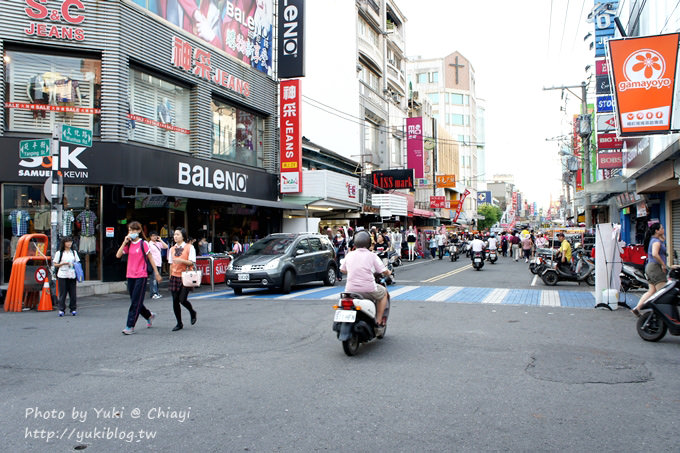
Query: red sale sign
<point x="609" y="160"/>
<point x="437" y="202"/>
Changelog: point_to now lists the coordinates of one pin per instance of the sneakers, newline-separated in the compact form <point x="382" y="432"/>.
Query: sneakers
<point x="150" y="320"/>
<point x="61" y="313"/>
<point x="73" y="313"/>
<point x="156" y="296"/>
<point x="128" y="331"/>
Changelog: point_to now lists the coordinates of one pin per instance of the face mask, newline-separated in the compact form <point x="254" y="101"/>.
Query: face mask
<point x="338" y="235"/>
<point x="134" y="236"/>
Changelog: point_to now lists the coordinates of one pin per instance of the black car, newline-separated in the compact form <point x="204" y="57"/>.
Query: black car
<point x="281" y="260"/>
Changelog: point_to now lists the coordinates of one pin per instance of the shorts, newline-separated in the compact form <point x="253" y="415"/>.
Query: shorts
<point x="88" y="244"/>
<point x="655" y="273"/>
<point x="377" y="295"/>
<point x="13" y="245"/>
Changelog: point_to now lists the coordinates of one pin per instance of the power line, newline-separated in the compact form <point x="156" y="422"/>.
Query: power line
<point x="564" y="27"/>
<point x="547" y="50"/>
<point x="669" y="16"/>
<point x="578" y="25"/>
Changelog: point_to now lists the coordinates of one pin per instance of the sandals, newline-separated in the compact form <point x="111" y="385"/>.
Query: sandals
<point x="636" y="312"/>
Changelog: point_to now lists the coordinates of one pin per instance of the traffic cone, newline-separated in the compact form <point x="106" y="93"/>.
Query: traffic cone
<point x="45" y="303"/>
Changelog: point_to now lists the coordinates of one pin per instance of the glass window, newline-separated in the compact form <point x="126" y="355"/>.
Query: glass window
<point x="43" y="89"/>
<point x="461" y="138"/>
<point x="368" y="32"/>
<point x="467" y="100"/>
<point x="422" y="78"/>
<point x="303" y="245"/>
<point x="457" y="119"/>
<point x="237" y="135"/>
<point x="369" y="77"/>
<point x="434" y="76"/>
<point x="159" y="112"/>
<point x="434" y="97"/>
<point x="456" y="99"/>
<point x="315" y="244"/>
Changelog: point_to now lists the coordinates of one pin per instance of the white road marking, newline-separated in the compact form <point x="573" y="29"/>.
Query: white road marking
<point x="533" y="282"/>
<point x="402" y="290"/>
<point x="442" y="295"/>
<point x="215" y="294"/>
<point x="302" y="293"/>
<point x="496" y="296"/>
<point x="550" y="298"/>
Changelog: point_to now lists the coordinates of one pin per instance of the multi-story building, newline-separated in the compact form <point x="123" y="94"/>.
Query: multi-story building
<point x="450" y="85"/>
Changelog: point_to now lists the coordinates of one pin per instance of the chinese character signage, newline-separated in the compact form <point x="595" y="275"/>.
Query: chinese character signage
<point x="291" y="136"/>
<point x="437" y="202"/>
<point x="392" y="179"/>
<point x="291" y="61"/>
<point x="643" y="72"/>
<point x="414" y="145"/>
<point x="34" y="148"/>
<point x="446" y="181"/>
<point x="242" y="29"/>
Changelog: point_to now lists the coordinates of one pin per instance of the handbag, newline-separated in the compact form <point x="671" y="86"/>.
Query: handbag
<point x="191" y="278"/>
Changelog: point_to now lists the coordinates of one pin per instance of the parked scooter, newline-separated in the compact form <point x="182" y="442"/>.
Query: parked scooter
<point x="477" y="260"/>
<point x="663" y="312"/>
<point x="355" y="322"/>
<point x="394" y="258"/>
<point x="453" y="252"/>
<point x="633" y="277"/>
<point x="585" y="271"/>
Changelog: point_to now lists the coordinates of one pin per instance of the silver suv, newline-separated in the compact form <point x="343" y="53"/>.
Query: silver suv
<point x="281" y="260"/>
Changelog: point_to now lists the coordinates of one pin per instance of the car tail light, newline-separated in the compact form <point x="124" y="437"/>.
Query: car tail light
<point x="347" y="304"/>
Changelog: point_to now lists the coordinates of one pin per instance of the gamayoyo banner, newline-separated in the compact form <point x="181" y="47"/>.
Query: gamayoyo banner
<point x="414" y="145"/>
<point x="643" y="73"/>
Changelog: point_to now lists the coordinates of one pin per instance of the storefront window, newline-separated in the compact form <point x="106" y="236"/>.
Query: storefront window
<point x="158" y="112"/>
<point x="237" y="135"/>
<point x="26" y="210"/>
<point x="44" y="89"/>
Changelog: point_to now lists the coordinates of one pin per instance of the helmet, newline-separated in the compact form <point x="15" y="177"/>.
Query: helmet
<point x="362" y="240"/>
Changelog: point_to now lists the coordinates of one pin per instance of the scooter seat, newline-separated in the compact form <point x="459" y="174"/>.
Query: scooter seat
<point x="350" y="296"/>
<point x="640" y="267"/>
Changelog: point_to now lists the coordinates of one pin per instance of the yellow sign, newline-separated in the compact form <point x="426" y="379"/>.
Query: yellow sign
<point x="446" y="181"/>
<point x="289" y="164"/>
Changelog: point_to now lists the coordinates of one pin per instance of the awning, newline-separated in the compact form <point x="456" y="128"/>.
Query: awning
<point x="317" y="202"/>
<point x="227" y="198"/>
<point x="423" y="213"/>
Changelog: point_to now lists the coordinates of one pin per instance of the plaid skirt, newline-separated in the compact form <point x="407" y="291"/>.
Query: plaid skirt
<point x="176" y="284"/>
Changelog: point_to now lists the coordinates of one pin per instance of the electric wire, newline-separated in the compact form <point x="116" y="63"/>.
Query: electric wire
<point x="564" y="27"/>
<point x="547" y="51"/>
<point x="578" y="25"/>
<point x="669" y="17"/>
<point x="639" y="15"/>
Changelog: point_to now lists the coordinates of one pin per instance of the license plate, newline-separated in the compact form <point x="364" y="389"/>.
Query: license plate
<point x="478" y="260"/>
<point x="345" y="316"/>
<point x="243" y="277"/>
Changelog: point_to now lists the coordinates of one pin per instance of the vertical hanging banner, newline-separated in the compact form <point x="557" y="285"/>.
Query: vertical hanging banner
<point x="291" y="61"/>
<point x="643" y="73"/>
<point x="460" y="205"/>
<point x="414" y="145"/>
<point x="291" y="136"/>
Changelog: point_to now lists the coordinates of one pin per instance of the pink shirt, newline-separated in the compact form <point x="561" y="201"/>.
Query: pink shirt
<point x="155" y="249"/>
<point x="136" y="264"/>
<point x="360" y="265"/>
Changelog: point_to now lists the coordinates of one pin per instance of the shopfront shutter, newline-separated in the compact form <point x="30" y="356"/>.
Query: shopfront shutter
<point x="675" y="228"/>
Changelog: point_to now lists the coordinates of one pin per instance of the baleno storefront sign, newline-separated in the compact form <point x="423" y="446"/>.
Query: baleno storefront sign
<point x="68" y="11"/>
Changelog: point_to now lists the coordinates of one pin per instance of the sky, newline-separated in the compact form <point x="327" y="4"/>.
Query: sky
<point x="516" y="48"/>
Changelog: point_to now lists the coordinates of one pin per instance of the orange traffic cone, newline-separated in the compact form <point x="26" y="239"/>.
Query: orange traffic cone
<point x="45" y="303"/>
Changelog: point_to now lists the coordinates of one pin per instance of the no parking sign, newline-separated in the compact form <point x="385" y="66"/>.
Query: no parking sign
<point x="40" y="274"/>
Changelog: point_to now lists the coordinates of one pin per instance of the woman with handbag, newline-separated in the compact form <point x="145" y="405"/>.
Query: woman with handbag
<point x="65" y="261"/>
<point x="181" y="257"/>
<point x="139" y="268"/>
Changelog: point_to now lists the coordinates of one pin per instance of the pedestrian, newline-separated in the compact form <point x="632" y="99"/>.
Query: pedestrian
<point x="433" y="245"/>
<point x="236" y="247"/>
<point x="136" y="249"/>
<point x="441" y="241"/>
<point x="541" y="241"/>
<point x="504" y="244"/>
<point x="515" y="244"/>
<point x="411" y="242"/>
<point x="156" y="245"/>
<point x="65" y="260"/>
<point x="340" y="245"/>
<point x="526" y="248"/>
<point x="656" y="268"/>
<point x="181" y="257"/>
<point x="203" y="247"/>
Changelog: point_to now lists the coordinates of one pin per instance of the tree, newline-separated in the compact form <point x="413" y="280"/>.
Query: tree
<point x="491" y="213"/>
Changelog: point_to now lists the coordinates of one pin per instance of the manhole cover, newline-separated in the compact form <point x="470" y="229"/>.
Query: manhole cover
<point x="586" y="366"/>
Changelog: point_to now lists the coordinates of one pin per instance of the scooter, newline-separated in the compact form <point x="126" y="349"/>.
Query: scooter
<point x="585" y="272"/>
<point x="384" y="257"/>
<point x="477" y="260"/>
<point x="543" y="256"/>
<point x="394" y="258"/>
<point x="453" y="252"/>
<point x="355" y="322"/>
<point x="633" y="277"/>
<point x="663" y="312"/>
<point x="492" y="255"/>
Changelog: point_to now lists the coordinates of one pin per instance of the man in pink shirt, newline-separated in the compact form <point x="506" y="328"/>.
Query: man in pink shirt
<point x="360" y="265"/>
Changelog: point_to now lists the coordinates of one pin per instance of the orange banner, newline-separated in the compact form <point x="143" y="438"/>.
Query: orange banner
<point x="643" y="71"/>
<point x="446" y="181"/>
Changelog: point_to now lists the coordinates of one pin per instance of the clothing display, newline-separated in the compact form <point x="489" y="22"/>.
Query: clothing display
<point x="67" y="219"/>
<point x="42" y="221"/>
<point x="19" y="219"/>
<point x="13" y="246"/>
<point x="87" y="221"/>
<point x="88" y="245"/>
<point x="165" y="112"/>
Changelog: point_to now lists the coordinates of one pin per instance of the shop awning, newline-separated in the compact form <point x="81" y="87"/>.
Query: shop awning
<point x="423" y="213"/>
<point x="227" y="198"/>
<point x="317" y="202"/>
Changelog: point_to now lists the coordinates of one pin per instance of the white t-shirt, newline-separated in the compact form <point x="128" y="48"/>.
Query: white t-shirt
<point x="477" y="245"/>
<point x="493" y="244"/>
<point x="440" y="239"/>
<point x="66" y="271"/>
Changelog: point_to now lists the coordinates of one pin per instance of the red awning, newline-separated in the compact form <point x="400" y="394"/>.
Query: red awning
<point x="422" y="213"/>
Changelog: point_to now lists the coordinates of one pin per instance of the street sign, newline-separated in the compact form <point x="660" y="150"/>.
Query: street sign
<point x="446" y="180"/>
<point x="34" y="148"/>
<point x="484" y="197"/>
<point x="76" y="135"/>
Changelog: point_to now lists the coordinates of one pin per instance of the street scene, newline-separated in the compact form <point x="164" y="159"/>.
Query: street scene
<point x="339" y="225"/>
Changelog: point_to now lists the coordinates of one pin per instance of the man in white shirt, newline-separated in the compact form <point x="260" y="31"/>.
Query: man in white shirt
<point x="477" y="245"/>
<point x="441" y="241"/>
<point x="493" y="243"/>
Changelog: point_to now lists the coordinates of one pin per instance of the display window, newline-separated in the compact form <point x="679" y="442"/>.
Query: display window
<point x="43" y="89"/>
<point x="26" y="210"/>
<point x="158" y="112"/>
<point x="238" y="135"/>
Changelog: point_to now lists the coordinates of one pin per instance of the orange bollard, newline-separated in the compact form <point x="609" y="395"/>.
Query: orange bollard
<point x="45" y="303"/>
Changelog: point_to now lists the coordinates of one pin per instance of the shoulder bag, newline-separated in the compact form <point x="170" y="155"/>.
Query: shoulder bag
<point x="191" y="278"/>
<point x="149" y="266"/>
<point x="80" y="275"/>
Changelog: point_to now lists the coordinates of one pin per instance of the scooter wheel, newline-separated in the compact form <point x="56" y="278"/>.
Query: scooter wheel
<point x="650" y="327"/>
<point x="550" y="278"/>
<point x="351" y="346"/>
<point x="591" y="280"/>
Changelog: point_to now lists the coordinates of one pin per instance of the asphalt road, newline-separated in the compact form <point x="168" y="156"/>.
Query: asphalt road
<point x="266" y="374"/>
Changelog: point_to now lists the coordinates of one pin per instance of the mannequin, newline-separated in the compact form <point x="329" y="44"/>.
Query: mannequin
<point x="88" y="238"/>
<point x="19" y="219"/>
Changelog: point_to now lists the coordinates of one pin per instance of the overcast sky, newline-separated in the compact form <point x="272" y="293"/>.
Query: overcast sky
<point x="516" y="49"/>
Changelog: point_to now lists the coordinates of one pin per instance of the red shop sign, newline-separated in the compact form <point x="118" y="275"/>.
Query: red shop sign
<point x="291" y="136"/>
<point x="609" y="160"/>
<point x="609" y="141"/>
<point x="68" y="11"/>
<point x="437" y="202"/>
<point x="601" y="67"/>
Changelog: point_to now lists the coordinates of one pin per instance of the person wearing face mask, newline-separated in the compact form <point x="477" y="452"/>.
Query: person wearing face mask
<point x="340" y="245"/>
<point x="136" y="248"/>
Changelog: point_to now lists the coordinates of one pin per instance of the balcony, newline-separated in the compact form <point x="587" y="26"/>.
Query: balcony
<point x="375" y="102"/>
<point x="394" y="34"/>
<point x="370" y="8"/>
<point x="396" y="76"/>
<point x="370" y="51"/>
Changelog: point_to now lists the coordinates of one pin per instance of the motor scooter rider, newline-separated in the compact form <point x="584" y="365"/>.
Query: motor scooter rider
<point x="360" y="265"/>
<point x="477" y="245"/>
<point x="565" y="253"/>
<point x="493" y="243"/>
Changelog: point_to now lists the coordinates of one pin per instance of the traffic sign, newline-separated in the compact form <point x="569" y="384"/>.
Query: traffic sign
<point x="484" y="197"/>
<point x="76" y="135"/>
<point x="34" y="148"/>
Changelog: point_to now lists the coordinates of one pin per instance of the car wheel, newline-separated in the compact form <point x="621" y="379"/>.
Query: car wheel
<point x="331" y="276"/>
<point x="238" y="291"/>
<point x="288" y="278"/>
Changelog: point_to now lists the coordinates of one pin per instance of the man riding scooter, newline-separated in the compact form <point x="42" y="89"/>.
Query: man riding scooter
<point x="360" y="265"/>
<point x="565" y="253"/>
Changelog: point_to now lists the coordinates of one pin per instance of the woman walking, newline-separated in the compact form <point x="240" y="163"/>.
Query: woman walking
<point x="136" y="248"/>
<point x="656" y="269"/>
<point x="340" y="245"/>
<point x="65" y="260"/>
<point x="181" y="257"/>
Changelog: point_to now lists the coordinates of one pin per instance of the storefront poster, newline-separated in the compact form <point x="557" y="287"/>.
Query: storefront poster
<point x="414" y="145"/>
<point x="643" y="72"/>
<point x="609" y="141"/>
<point x="243" y="29"/>
<point x="291" y="137"/>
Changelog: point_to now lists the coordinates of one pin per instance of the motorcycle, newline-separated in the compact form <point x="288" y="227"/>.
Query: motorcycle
<point x="394" y="258"/>
<point x="354" y="320"/>
<point x="585" y="272"/>
<point x="467" y="247"/>
<point x="453" y="252"/>
<point x="663" y="313"/>
<point x="543" y="257"/>
<point x="477" y="260"/>
<point x="384" y="256"/>
<point x="633" y="277"/>
<point x="492" y="256"/>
